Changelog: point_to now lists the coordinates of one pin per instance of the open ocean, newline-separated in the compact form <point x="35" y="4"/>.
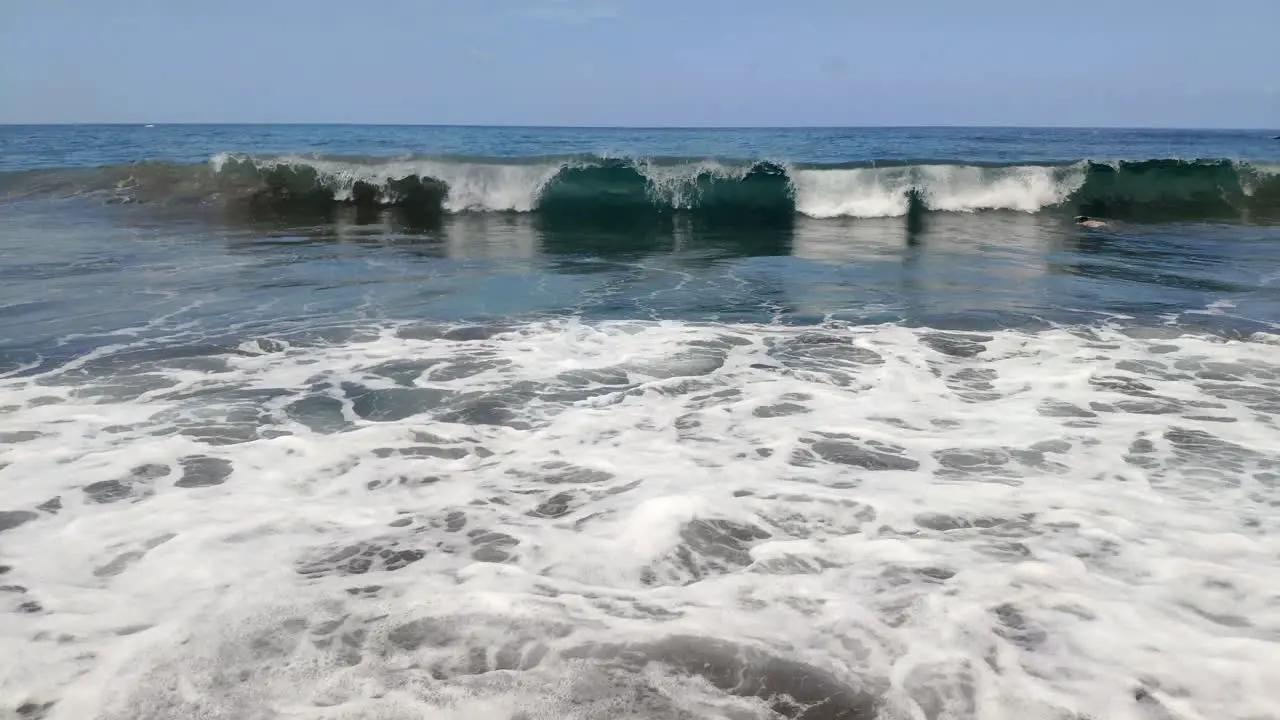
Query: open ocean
<point x="339" y="422"/>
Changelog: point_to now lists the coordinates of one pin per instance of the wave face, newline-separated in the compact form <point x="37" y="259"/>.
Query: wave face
<point x="590" y="185"/>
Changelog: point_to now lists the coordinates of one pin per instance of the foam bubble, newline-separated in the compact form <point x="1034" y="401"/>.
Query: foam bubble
<point x="647" y="519"/>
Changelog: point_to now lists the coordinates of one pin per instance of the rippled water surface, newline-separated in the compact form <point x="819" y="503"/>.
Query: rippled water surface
<point x="333" y="458"/>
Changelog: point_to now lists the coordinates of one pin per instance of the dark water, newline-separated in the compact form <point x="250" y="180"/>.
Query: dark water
<point x="308" y="421"/>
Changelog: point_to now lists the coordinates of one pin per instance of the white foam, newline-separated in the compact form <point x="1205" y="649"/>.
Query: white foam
<point x="1011" y="533"/>
<point x="473" y="186"/>
<point x="859" y="192"/>
<point x="819" y="193"/>
<point x="882" y="192"/>
<point x="476" y="186"/>
<point x="676" y="185"/>
<point x="1256" y="174"/>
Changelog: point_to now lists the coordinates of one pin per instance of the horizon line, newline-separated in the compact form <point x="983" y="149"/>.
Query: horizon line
<point x="633" y="127"/>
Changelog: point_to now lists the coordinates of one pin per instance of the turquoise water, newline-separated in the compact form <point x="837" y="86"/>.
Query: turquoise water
<point x="383" y="422"/>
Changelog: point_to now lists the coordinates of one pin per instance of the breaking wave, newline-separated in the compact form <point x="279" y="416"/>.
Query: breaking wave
<point x="1146" y="189"/>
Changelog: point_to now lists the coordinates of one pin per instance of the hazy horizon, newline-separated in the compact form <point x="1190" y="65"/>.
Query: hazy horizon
<point x="304" y="123"/>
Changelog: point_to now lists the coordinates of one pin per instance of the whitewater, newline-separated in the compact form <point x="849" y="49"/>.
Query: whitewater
<point x="1146" y="189"/>
<point x="648" y="520"/>
<point x="381" y="423"/>
<point x="820" y="192"/>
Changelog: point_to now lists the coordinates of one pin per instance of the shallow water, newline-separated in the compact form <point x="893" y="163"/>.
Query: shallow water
<point x="357" y="464"/>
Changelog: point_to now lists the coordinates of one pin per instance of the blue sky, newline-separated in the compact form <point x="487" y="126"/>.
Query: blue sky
<point x="1166" y="63"/>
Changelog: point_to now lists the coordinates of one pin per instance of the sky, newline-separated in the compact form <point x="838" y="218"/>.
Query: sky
<point x="1101" y="63"/>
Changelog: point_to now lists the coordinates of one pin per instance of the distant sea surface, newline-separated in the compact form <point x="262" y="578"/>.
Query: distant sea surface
<point x="524" y="423"/>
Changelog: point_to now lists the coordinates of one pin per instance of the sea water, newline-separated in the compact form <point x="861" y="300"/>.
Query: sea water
<point x="383" y="422"/>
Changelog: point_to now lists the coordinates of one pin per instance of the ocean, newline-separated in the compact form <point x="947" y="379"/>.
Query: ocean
<point x="532" y="423"/>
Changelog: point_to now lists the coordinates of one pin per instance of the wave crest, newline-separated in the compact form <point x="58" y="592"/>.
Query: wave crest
<point x="1149" y="189"/>
<point x="886" y="192"/>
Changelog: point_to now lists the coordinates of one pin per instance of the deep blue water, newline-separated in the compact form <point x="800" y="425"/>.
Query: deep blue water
<point x="77" y="145"/>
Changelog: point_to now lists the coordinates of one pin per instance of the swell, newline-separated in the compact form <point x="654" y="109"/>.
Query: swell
<point x="591" y="186"/>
